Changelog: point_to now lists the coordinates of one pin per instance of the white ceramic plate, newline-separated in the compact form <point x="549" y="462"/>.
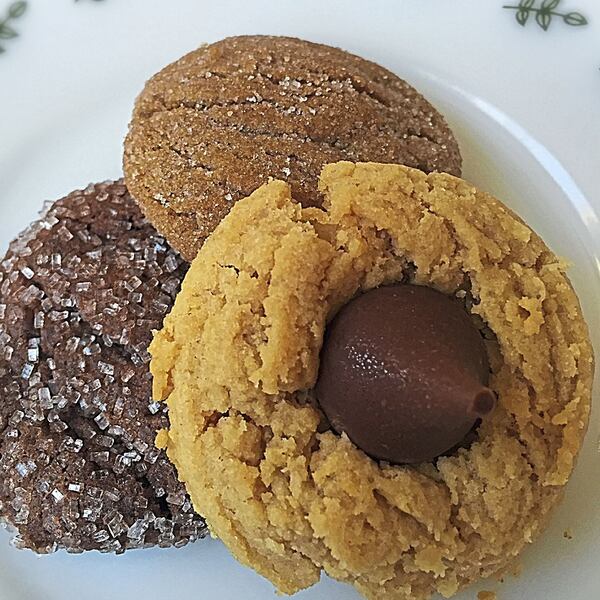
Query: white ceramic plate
<point x="523" y="101"/>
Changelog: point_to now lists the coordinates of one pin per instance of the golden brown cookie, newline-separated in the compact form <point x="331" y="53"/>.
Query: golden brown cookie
<point x="239" y="354"/>
<point x="214" y="125"/>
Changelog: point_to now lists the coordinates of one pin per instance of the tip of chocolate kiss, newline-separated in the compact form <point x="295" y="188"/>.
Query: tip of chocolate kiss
<point x="484" y="402"/>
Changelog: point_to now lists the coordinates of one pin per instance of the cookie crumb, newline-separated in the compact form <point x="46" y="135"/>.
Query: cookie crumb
<point x="162" y="439"/>
<point x="513" y="569"/>
<point x="567" y="534"/>
<point x="483" y="595"/>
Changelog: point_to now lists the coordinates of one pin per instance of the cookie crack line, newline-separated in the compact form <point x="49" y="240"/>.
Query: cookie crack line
<point x="293" y="87"/>
<point x="284" y="111"/>
<point x="225" y="185"/>
<point x="335" y="145"/>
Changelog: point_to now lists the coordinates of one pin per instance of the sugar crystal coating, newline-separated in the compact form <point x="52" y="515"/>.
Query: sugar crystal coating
<point x="80" y="292"/>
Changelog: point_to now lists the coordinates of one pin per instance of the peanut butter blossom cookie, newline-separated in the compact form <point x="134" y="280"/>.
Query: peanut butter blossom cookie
<point x="214" y="125"/>
<point x="80" y="292"/>
<point x="238" y="359"/>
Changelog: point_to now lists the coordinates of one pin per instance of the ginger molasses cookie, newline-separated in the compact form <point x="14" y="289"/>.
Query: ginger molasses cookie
<point x="238" y="361"/>
<point x="214" y="125"/>
<point x="80" y="293"/>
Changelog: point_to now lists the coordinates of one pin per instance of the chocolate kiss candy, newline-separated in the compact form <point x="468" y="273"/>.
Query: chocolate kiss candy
<point x="404" y="373"/>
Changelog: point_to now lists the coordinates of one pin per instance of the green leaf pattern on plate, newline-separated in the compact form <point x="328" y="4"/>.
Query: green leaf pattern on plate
<point x="16" y="9"/>
<point x="543" y="16"/>
<point x="544" y="13"/>
<point x="548" y="5"/>
<point x="7" y="32"/>
<point x="575" y="18"/>
<point x="543" y="19"/>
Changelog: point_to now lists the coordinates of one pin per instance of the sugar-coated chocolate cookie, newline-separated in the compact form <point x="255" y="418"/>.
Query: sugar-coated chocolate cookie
<point x="80" y="292"/>
<point x="214" y="125"/>
<point x="238" y="357"/>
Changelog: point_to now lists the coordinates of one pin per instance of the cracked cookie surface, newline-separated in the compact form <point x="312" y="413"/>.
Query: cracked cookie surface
<point x="238" y="356"/>
<point x="214" y="125"/>
<point x="80" y="292"/>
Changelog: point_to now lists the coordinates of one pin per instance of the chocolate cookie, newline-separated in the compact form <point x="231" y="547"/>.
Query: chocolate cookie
<point x="213" y="126"/>
<point x="81" y="291"/>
